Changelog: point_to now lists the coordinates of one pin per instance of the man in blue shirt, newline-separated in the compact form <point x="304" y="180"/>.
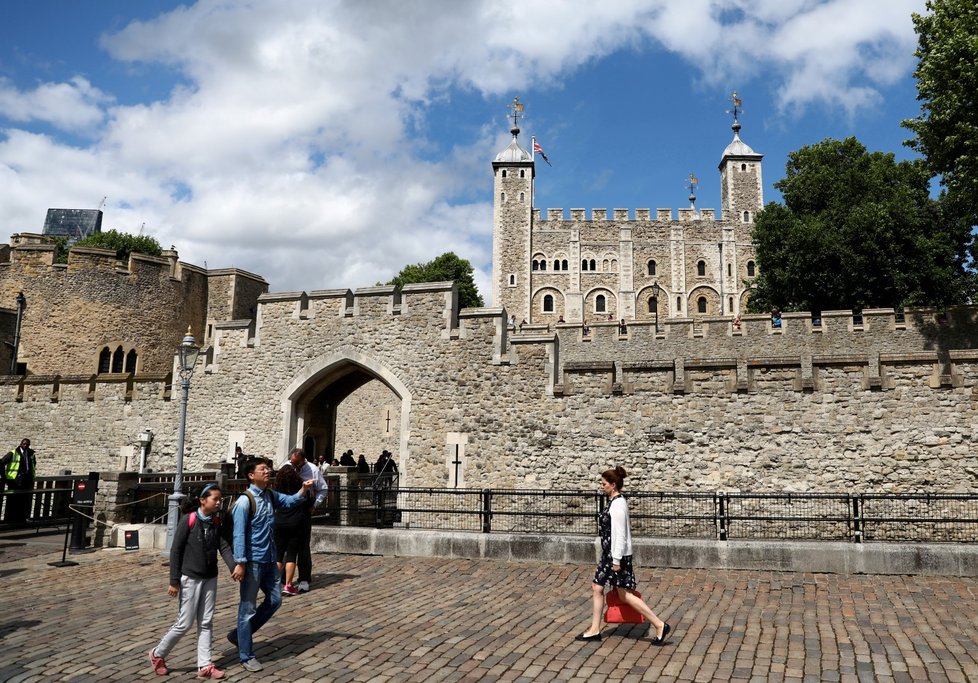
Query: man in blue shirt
<point x="254" y="553"/>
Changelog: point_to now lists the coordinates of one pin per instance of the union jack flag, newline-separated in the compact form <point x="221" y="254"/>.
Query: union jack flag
<point x="537" y="149"/>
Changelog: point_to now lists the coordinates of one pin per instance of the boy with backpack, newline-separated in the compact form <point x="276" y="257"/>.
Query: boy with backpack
<point x="254" y="552"/>
<point x="197" y="540"/>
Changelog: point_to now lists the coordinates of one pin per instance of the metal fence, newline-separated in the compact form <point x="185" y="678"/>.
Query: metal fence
<point x="150" y="496"/>
<point x="378" y="502"/>
<point x="724" y="516"/>
<point x="45" y="504"/>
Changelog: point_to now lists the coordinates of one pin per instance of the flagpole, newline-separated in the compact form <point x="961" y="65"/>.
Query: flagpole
<point x="533" y="147"/>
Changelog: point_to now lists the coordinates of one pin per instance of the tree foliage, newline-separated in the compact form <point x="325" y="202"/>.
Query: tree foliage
<point x="445" y="268"/>
<point x="122" y="243"/>
<point x="947" y="87"/>
<point x="857" y="230"/>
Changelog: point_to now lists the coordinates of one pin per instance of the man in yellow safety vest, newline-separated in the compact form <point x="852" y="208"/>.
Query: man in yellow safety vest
<point x="18" y="468"/>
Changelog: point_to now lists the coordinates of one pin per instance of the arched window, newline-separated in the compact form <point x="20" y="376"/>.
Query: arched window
<point x="543" y="265"/>
<point x="563" y="264"/>
<point x="701" y="304"/>
<point x="504" y="173"/>
<point x="651" y="267"/>
<point x="105" y="360"/>
<point x="536" y="265"/>
<point x="556" y="264"/>
<point x="131" y="361"/>
<point x="548" y="303"/>
<point x="653" y="304"/>
<point x="599" y="303"/>
<point x="584" y="264"/>
<point x="743" y="167"/>
<point x="701" y="268"/>
<point x="730" y="305"/>
<point x="614" y="265"/>
<point x="729" y="270"/>
<point x="512" y="280"/>
<point x="750" y="269"/>
<point x="604" y="265"/>
<point x="746" y="216"/>
<point x="522" y="197"/>
<point x="118" y="359"/>
<point x="592" y="264"/>
<point x="522" y="173"/>
<point x="679" y="303"/>
<point x="502" y="197"/>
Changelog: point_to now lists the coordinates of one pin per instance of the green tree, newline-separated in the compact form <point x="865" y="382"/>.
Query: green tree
<point x="122" y="243"/>
<point x="947" y="87"/>
<point x="445" y="268"/>
<point x="856" y="230"/>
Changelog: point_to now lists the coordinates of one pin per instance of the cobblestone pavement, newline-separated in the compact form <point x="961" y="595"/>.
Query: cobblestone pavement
<point x="410" y="619"/>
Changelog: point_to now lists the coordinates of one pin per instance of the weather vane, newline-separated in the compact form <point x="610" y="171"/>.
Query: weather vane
<point x="691" y="182"/>
<point x="738" y="106"/>
<point x="517" y="108"/>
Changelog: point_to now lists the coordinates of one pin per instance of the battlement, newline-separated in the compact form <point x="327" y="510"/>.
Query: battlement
<point x="623" y="215"/>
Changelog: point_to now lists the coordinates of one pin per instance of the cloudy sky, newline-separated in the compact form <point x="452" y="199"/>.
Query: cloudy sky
<point x="328" y="143"/>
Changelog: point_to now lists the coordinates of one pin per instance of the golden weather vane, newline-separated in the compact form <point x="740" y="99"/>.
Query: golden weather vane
<point x="517" y="111"/>
<point x="738" y="106"/>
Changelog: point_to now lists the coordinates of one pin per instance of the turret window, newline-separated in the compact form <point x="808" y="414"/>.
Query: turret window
<point x="512" y="280"/>
<point x="599" y="303"/>
<point x="563" y="264"/>
<point x="522" y="173"/>
<point x="679" y="303"/>
<point x="751" y="269"/>
<point x="536" y="265"/>
<point x="701" y="304"/>
<point x="118" y="361"/>
<point x="522" y="197"/>
<point x="746" y="216"/>
<point x="592" y="265"/>
<point x="504" y="173"/>
<point x="502" y="197"/>
<point x="651" y="267"/>
<point x="104" y="361"/>
<point x="743" y="167"/>
<point x="548" y="303"/>
<point x="118" y="358"/>
<point x="701" y="268"/>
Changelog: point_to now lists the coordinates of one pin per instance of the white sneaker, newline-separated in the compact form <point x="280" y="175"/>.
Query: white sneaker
<point x="303" y="586"/>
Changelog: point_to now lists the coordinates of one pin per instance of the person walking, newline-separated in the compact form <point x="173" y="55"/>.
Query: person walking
<point x="615" y="566"/>
<point x="254" y="553"/>
<point x="297" y="458"/>
<point x="293" y="527"/>
<point x="197" y="541"/>
<point x="18" y="469"/>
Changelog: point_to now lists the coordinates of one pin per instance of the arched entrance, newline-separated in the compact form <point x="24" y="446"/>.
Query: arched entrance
<point x="347" y="401"/>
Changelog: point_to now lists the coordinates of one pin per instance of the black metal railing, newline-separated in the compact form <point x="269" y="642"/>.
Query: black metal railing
<point x="150" y="496"/>
<point x="44" y="504"/>
<point x="723" y="516"/>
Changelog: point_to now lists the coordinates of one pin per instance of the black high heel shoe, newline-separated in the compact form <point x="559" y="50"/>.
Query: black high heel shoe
<point x="665" y="632"/>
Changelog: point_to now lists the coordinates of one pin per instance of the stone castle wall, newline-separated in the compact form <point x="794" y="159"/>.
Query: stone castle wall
<point x="368" y="421"/>
<point x="885" y="405"/>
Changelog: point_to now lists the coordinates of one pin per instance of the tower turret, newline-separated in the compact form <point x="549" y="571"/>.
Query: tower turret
<point x="741" y="186"/>
<point x="512" y="216"/>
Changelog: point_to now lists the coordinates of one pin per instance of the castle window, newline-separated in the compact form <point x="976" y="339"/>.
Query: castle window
<point x="701" y="268"/>
<point x="522" y="173"/>
<point x="592" y="265"/>
<point x="651" y="267"/>
<point x="746" y="216"/>
<point x="743" y="167"/>
<point x="543" y="265"/>
<point x="512" y="280"/>
<point x="104" y="360"/>
<point x="131" y="361"/>
<point x="583" y="264"/>
<point x="522" y="197"/>
<point x="563" y="264"/>
<point x="653" y="305"/>
<point x="701" y="304"/>
<point x="614" y="265"/>
<point x="750" y="269"/>
<point x="504" y="173"/>
<point x="730" y="305"/>
<point x="599" y="303"/>
<point x="729" y="270"/>
<point x="548" y="303"/>
<point x="536" y="265"/>
<point x="556" y="264"/>
<point x="604" y="265"/>
<point x="118" y="359"/>
<point x="502" y="197"/>
<point x="679" y="303"/>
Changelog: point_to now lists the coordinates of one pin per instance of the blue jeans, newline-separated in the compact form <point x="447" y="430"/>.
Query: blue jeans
<point x="262" y="575"/>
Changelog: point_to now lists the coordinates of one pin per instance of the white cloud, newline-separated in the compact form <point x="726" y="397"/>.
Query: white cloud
<point x="293" y="148"/>
<point x="72" y="106"/>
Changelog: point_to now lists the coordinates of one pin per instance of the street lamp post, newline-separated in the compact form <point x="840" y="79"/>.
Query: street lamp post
<point x="657" y="291"/>
<point x="187" y="353"/>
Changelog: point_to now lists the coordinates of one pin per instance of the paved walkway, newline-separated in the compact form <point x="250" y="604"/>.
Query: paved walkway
<point x="409" y="619"/>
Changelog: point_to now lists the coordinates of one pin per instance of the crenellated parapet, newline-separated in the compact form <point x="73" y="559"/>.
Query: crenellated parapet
<point x="559" y="215"/>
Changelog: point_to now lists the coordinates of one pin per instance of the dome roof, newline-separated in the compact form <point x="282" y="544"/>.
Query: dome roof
<point x="737" y="147"/>
<point x="513" y="153"/>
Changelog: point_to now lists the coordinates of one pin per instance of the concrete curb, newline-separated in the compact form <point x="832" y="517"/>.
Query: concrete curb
<point x="932" y="559"/>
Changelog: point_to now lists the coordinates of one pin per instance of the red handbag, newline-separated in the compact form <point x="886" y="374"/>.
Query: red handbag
<point x="620" y="613"/>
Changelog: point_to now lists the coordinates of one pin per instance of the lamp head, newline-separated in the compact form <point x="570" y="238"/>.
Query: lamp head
<point x="188" y="352"/>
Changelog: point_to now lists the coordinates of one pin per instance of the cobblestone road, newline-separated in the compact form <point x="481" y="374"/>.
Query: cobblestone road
<point x="409" y="619"/>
